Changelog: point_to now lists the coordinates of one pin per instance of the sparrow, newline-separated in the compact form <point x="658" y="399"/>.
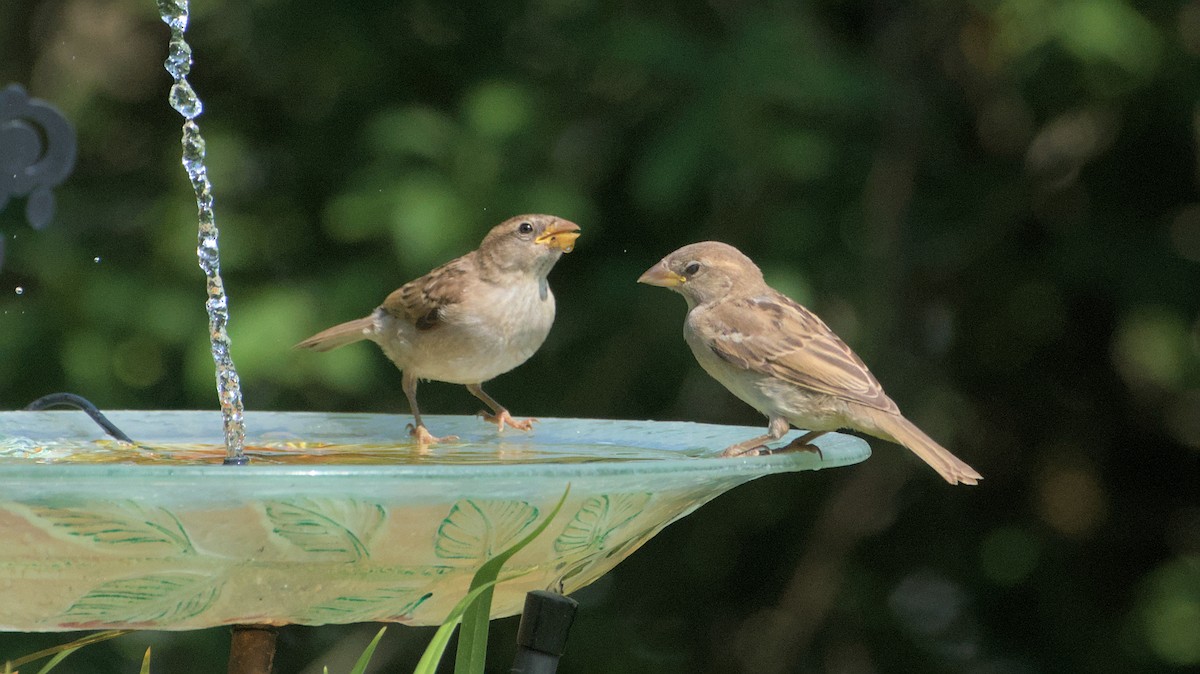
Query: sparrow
<point x="471" y="319"/>
<point x="782" y="359"/>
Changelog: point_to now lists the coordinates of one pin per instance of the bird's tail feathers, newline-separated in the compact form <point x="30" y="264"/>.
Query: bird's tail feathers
<point x="339" y="335"/>
<point x="952" y="469"/>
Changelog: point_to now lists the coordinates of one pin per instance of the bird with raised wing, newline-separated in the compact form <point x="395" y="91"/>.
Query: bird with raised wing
<point x="471" y="319"/>
<point x="782" y="359"/>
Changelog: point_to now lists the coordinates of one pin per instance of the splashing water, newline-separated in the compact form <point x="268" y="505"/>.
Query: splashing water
<point x="183" y="98"/>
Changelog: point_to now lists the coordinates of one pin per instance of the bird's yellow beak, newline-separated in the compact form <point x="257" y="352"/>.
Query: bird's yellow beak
<point x="659" y="275"/>
<point x="560" y="235"/>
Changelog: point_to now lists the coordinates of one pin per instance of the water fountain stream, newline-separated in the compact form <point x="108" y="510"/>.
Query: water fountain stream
<point x="184" y="99"/>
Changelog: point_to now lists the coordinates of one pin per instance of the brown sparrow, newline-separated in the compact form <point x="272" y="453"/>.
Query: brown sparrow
<point x="781" y="359"/>
<point x="471" y="319"/>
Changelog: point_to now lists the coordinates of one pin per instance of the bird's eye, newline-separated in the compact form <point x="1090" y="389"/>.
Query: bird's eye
<point x="525" y="228"/>
<point x="692" y="268"/>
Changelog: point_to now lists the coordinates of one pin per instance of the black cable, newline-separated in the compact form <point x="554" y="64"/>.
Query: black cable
<point x="79" y="403"/>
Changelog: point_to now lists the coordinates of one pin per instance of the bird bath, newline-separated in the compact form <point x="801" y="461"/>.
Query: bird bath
<point x="333" y="521"/>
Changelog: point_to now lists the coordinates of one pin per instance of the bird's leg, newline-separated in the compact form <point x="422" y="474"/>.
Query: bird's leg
<point x="802" y="444"/>
<point x="422" y="435"/>
<point x="776" y="429"/>
<point x="499" y="415"/>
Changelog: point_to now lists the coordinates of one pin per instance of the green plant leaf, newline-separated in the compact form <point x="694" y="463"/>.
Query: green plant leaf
<point x="97" y="637"/>
<point x="472" y="640"/>
<point x="157" y="598"/>
<point x="59" y="657"/>
<point x="437" y="646"/>
<point x="365" y="658"/>
<point x="339" y="526"/>
<point x="146" y="662"/>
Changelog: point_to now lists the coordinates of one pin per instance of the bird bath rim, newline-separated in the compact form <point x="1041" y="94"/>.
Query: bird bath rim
<point x="158" y="428"/>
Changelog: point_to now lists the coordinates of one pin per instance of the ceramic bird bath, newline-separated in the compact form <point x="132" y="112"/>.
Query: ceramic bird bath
<point x="334" y="520"/>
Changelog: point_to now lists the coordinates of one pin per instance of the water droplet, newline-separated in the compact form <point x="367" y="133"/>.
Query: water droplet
<point x="96" y="259"/>
<point x="184" y="99"/>
<point x="174" y="13"/>
<point x="20" y="290"/>
<point x="179" y="58"/>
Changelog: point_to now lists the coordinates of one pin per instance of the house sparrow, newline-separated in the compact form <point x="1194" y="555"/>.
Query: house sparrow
<point x="471" y="319"/>
<point x="781" y="359"/>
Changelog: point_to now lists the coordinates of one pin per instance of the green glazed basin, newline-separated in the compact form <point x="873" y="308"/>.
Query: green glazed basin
<point x="338" y="518"/>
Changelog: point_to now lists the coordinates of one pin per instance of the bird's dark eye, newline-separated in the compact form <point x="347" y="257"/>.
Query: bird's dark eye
<point x="692" y="268"/>
<point x="525" y="228"/>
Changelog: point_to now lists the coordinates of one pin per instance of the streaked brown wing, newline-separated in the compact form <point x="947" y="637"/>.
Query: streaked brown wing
<point x="773" y="335"/>
<point x="423" y="301"/>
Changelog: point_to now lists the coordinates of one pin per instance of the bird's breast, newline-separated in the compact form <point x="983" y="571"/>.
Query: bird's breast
<point x="770" y="395"/>
<point x="482" y="337"/>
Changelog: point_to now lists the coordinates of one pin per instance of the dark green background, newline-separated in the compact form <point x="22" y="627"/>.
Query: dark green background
<point x="994" y="202"/>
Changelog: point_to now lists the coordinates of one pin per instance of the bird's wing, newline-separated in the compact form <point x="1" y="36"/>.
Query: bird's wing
<point x="425" y="301"/>
<point x="773" y="335"/>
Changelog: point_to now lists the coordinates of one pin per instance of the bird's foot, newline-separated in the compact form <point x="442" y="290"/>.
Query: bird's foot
<point x="752" y="448"/>
<point x="797" y="445"/>
<point x="424" y="438"/>
<point x="505" y="419"/>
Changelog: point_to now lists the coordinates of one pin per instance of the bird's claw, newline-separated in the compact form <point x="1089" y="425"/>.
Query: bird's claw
<point x="744" y="450"/>
<point x="754" y="448"/>
<point x="424" y="438"/>
<point x="504" y="418"/>
<point x="796" y="446"/>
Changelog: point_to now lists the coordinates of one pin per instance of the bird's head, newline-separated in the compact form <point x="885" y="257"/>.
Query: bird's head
<point x="528" y="243"/>
<point x="704" y="272"/>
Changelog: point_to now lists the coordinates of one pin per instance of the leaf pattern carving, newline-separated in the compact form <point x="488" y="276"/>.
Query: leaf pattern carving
<point x="597" y="519"/>
<point x="478" y="529"/>
<point x="585" y="569"/>
<point x="342" y="527"/>
<point x="160" y="598"/>
<point x="388" y="604"/>
<point x="118" y="523"/>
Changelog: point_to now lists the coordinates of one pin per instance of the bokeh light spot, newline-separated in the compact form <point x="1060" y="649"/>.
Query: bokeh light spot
<point x="1185" y="232"/>
<point x="1151" y="347"/>
<point x="414" y="131"/>
<point x="138" y="362"/>
<point x="498" y="109"/>
<point x="1170" y="611"/>
<point x="1008" y="555"/>
<point x="1183" y="418"/>
<point x="1071" y="499"/>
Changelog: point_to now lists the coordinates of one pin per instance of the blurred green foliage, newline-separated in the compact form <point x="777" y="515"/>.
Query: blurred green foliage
<point x="995" y="202"/>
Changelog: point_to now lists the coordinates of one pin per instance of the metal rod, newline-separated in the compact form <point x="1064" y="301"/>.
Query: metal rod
<point x="252" y="649"/>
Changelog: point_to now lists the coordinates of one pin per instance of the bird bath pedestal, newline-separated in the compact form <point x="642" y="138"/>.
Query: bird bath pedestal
<point x="334" y="521"/>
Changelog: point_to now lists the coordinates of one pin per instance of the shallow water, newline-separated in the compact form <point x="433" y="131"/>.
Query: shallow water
<point x="300" y="452"/>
